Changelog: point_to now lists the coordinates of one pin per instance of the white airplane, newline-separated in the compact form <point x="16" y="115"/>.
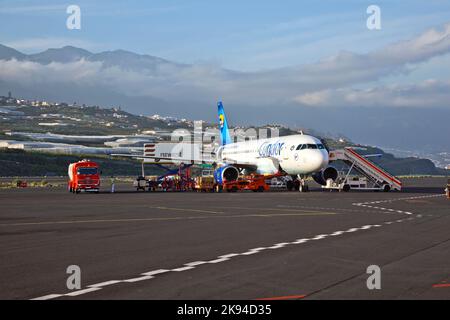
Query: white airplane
<point x="297" y="155"/>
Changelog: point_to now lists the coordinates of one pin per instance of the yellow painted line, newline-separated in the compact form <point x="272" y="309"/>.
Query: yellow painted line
<point x="278" y="209"/>
<point x="186" y="209"/>
<point x="164" y="219"/>
<point x="309" y="212"/>
<point x="284" y="214"/>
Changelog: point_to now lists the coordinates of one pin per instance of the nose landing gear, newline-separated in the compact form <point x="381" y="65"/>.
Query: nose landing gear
<point x="300" y="184"/>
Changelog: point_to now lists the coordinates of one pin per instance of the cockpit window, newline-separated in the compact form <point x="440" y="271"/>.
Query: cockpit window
<point x="310" y="146"/>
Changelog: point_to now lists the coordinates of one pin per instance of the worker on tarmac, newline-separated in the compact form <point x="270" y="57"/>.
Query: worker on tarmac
<point x="113" y="184"/>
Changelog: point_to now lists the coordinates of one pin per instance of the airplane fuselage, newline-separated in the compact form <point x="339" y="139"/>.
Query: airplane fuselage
<point x="295" y="154"/>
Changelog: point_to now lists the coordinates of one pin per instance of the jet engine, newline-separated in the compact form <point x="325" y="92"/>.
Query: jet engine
<point x="321" y="177"/>
<point x="226" y="173"/>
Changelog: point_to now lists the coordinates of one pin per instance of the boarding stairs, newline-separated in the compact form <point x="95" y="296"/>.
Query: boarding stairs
<point x="360" y="163"/>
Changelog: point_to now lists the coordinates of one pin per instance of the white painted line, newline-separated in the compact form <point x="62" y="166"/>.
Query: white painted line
<point x="155" y="272"/>
<point x="182" y="269"/>
<point x="300" y="241"/>
<point x="258" y="249"/>
<point x="138" y="279"/>
<point x="48" y="297"/>
<point x="104" y="284"/>
<point x="249" y="253"/>
<point x="80" y="292"/>
<point x="231" y="255"/>
<point x="226" y="257"/>
<point x="279" y="245"/>
<point x="194" y="264"/>
<point x="219" y="260"/>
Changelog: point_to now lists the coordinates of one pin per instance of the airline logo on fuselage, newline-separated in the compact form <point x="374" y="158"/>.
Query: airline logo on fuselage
<point x="270" y="149"/>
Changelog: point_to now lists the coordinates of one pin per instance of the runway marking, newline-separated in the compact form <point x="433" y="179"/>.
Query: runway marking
<point x="243" y="208"/>
<point x="138" y="279"/>
<point x="48" y="297"/>
<point x="155" y="272"/>
<point x="83" y="291"/>
<point x="104" y="284"/>
<point x="323" y="208"/>
<point x="188" y="210"/>
<point x="304" y="213"/>
<point x="222" y="258"/>
<point x="300" y="296"/>
<point x="370" y="205"/>
<point x="192" y="265"/>
<point x="282" y="210"/>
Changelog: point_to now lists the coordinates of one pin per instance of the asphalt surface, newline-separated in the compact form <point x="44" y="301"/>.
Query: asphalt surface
<point x="247" y="245"/>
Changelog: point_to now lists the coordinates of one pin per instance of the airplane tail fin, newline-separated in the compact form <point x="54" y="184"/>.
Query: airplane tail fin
<point x="225" y="137"/>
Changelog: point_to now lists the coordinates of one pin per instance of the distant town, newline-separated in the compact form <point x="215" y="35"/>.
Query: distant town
<point x="63" y="128"/>
<point x="69" y="128"/>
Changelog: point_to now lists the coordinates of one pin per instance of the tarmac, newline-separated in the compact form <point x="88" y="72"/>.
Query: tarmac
<point x="245" y="245"/>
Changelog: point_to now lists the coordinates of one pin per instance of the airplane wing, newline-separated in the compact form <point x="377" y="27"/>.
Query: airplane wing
<point x="206" y="160"/>
<point x="244" y="165"/>
<point x="157" y="159"/>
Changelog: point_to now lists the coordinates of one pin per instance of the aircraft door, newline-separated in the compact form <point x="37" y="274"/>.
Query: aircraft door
<point x="285" y="152"/>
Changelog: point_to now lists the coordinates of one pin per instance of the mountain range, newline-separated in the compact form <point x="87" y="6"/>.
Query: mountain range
<point x="121" y="58"/>
<point x="145" y="84"/>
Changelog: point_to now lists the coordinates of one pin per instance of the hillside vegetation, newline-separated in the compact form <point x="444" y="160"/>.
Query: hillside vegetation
<point x="21" y="163"/>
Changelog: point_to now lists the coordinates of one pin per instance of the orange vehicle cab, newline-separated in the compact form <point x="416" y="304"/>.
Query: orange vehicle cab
<point x="255" y="183"/>
<point x="84" y="175"/>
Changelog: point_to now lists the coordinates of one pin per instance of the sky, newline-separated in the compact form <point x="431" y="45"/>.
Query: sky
<point x="242" y="35"/>
<point x="314" y="58"/>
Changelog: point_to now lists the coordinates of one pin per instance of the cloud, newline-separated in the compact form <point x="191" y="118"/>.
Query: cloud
<point x="430" y="94"/>
<point x="311" y="85"/>
<point x="32" y="73"/>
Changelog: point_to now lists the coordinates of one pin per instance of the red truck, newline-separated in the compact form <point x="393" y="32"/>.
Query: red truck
<point x="84" y="175"/>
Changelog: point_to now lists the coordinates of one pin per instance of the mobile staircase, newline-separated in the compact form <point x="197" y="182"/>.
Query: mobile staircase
<point x="375" y="177"/>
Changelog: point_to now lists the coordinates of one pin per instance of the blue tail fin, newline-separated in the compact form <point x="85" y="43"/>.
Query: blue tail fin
<point x="223" y="125"/>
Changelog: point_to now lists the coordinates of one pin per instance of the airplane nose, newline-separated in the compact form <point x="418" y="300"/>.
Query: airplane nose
<point x="318" y="160"/>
